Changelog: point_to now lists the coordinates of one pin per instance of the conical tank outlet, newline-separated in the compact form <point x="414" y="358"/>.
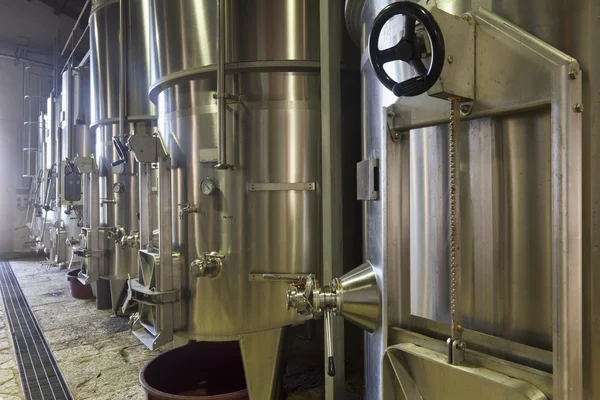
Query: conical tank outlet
<point x="359" y="297"/>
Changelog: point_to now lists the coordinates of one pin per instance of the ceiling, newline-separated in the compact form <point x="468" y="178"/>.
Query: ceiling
<point x="69" y="8"/>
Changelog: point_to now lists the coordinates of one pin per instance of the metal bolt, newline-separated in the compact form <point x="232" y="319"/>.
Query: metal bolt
<point x="396" y="135"/>
<point x="450" y="59"/>
<point x="466" y="109"/>
<point x="390" y="113"/>
<point x="467" y="17"/>
<point x="578" y="107"/>
<point x="572" y="73"/>
<point x="461" y="345"/>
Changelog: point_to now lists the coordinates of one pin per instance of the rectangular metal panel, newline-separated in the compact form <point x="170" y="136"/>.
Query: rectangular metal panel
<point x="366" y="177"/>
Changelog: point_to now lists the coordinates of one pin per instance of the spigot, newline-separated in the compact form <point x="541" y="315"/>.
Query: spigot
<point x="187" y="208"/>
<point x="207" y="266"/>
<point x="107" y="201"/>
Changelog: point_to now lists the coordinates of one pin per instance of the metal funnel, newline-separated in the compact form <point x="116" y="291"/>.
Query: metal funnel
<point x="358" y="297"/>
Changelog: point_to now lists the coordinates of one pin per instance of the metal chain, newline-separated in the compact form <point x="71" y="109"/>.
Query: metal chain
<point x="454" y="217"/>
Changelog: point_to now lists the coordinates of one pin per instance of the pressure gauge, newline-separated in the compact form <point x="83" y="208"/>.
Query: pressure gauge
<point x="118" y="187"/>
<point x="208" y="186"/>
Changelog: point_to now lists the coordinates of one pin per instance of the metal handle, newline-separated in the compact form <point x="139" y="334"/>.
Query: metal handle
<point x="407" y="49"/>
<point x="329" y="343"/>
<point x="122" y="151"/>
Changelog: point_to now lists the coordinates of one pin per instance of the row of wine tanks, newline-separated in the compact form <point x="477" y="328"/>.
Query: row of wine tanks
<point x="56" y="203"/>
<point x="227" y="95"/>
<point x="241" y="134"/>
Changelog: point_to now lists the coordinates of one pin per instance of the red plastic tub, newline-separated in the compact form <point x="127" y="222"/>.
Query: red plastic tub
<point x="78" y="289"/>
<point x="197" y="371"/>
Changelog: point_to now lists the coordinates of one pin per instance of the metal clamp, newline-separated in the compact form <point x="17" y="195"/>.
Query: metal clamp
<point x="207" y="266"/>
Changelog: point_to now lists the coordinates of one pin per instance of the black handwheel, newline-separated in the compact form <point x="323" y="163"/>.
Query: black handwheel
<point x="406" y="50"/>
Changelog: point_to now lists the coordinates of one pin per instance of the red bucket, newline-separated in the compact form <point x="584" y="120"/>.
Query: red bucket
<point x="197" y="371"/>
<point x="78" y="289"/>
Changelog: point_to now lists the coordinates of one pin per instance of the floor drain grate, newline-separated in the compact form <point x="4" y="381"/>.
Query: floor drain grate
<point x="40" y="376"/>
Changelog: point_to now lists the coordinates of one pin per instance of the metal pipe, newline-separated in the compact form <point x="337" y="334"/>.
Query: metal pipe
<point x="85" y="6"/>
<point x="25" y="60"/>
<point x="76" y="46"/>
<point x="221" y="92"/>
<point x="122" y="68"/>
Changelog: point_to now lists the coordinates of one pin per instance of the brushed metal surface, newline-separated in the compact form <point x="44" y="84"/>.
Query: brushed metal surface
<point x="506" y="170"/>
<point x="104" y="61"/>
<point x="123" y="212"/>
<point x="276" y="139"/>
<point x="104" y="78"/>
<point x="273" y="138"/>
<point x="433" y="378"/>
<point x="506" y="231"/>
<point x="377" y="144"/>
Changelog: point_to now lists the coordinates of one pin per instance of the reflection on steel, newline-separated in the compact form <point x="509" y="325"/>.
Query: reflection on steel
<point x="523" y="216"/>
<point x="120" y="71"/>
<point x="228" y="100"/>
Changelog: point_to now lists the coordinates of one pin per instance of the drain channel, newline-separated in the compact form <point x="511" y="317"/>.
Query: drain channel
<point x="40" y="376"/>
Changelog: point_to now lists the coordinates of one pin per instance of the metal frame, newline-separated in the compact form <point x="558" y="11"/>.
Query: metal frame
<point x="567" y="232"/>
<point x="93" y="252"/>
<point x="331" y="140"/>
<point x="157" y="287"/>
<point x="562" y="96"/>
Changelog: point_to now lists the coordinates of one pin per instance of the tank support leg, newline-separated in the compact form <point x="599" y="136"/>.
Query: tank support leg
<point x="116" y="293"/>
<point x="260" y="352"/>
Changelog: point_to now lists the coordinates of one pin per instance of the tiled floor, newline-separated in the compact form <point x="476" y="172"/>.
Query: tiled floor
<point x="98" y="356"/>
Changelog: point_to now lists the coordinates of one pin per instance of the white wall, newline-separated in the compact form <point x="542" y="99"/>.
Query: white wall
<point x="34" y="23"/>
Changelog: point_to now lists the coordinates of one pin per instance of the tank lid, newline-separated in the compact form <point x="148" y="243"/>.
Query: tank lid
<point x="352" y="13"/>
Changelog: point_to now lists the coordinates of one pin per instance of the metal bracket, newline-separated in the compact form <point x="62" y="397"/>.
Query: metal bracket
<point x="276" y="187"/>
<point x="367" y="177"/>
<point x="456" y="351"/>
<point x="148" y="148"/>
<point x="149" y="296"/>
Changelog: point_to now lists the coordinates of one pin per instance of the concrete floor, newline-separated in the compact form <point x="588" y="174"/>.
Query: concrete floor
<point x="101" y="360"/>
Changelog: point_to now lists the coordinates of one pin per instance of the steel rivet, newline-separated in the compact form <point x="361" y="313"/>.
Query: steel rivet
<point x="578" y="107"/>
<point x="450" y="59"/>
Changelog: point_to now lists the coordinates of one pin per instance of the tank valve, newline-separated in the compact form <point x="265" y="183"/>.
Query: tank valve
<point x="207" y="266"/>
<point x="187" y="208"/>
<point x="355" y="296"/>
<point x="306" y="297"/>
<point x="115" y="234"/>
<point x="132" y="241"/>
